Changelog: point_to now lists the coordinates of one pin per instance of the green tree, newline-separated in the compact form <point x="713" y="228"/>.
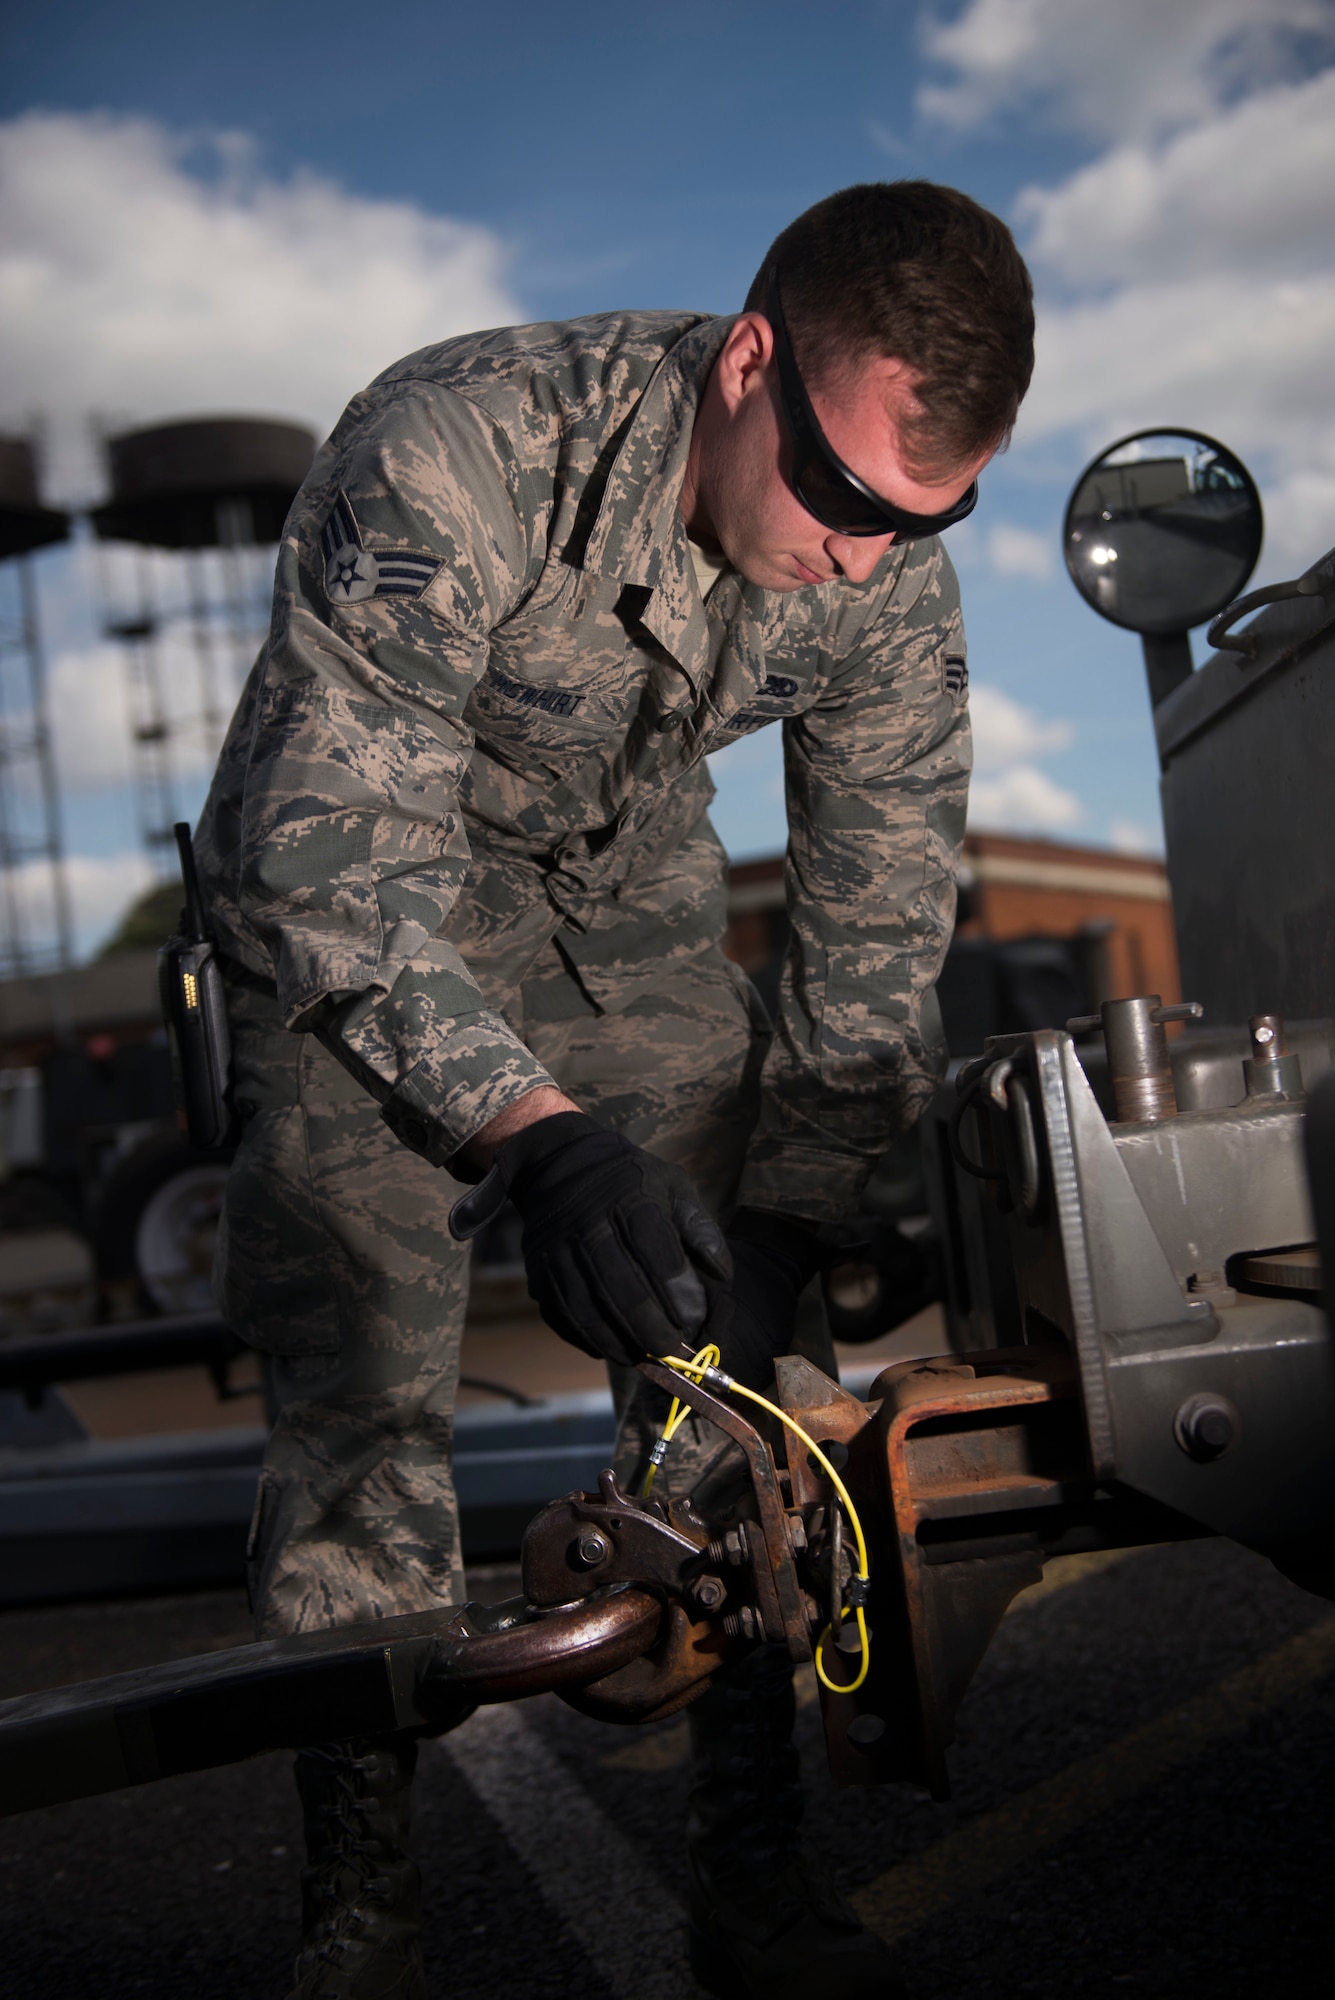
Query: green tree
<point x="150" y="919"/>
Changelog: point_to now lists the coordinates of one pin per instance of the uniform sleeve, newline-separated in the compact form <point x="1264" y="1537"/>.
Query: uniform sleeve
<point x="877" y="782"/>
<point x="411" y="541"/>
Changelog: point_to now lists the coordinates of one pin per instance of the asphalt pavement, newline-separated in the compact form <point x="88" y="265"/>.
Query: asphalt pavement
<point x="1143" y="1775"/>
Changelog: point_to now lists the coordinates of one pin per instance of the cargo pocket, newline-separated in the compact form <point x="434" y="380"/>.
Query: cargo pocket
<point x="272" y="1264"/>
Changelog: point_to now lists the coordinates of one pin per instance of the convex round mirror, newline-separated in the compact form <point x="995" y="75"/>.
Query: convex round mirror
<point x="1162" y="530"/>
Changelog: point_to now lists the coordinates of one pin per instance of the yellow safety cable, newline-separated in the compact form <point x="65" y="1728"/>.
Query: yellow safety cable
<point x="707" y="1357"/>
<point x="704" y="1369"/>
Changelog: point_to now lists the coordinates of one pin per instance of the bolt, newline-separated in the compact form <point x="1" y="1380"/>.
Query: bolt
<point x="865" y="1731"/>
<point x="1206" y="1426"/>
<point x="797" y="1533"/>
<point x="743" y="1624"/>
<point x="708" y="1592"/>
<point x="592" y="1549"/>
<point x="730" y="1548"/>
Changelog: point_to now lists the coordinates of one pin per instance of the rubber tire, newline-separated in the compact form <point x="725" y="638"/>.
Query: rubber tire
<point x="134" y="1191"/>
<point x="908" y="1274"/>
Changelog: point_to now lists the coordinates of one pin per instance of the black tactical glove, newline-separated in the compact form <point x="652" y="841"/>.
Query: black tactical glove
<point x="774" y="1258"/>
<point x="614" y="1241"/>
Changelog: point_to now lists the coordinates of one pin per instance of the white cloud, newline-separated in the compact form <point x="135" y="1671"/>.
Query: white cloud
<point x="96" y="685"/>
<point x="89" y="710"/>
<point x="1251" y="185"/>
<point x="1112" y="67"/>
<point x="1021" y="552"/>
<point x="1251" y="360"/>
<point x="1186" y="274"/>
<point x="100" y="888"/>
<point x="1192" y="282"/>
<point x="137" y="287"/>
<point x="1130" y="837"/>
<point x="1009" y="790"/>
<point x="1005" y="732"/>
<point x="1022" y="799"/>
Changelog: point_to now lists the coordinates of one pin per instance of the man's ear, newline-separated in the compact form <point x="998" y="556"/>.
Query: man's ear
<point x="744" y="358"/>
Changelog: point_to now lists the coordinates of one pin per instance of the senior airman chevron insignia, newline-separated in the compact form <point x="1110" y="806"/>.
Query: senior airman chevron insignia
<point x="957" y="675"/>
<point x="353" y="573"/>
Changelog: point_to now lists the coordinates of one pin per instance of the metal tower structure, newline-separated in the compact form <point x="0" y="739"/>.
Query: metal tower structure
<point x="35" y="928"/>
<point x="199" y="504"/>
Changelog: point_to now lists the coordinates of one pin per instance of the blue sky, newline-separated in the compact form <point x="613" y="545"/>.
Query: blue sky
<point x="255" y="209"/>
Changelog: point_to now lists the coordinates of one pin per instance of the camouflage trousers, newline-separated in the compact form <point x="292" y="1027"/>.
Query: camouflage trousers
<point x="334" y="1259"/>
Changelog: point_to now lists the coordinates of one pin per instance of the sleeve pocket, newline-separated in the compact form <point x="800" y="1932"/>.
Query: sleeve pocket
<point x="867" y="1007"/>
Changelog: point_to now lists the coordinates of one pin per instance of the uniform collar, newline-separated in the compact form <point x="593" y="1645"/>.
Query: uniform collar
<point x="639" y="536"/>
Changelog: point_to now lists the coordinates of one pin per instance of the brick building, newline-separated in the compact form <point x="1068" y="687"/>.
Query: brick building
<point x="1046" y="930"/>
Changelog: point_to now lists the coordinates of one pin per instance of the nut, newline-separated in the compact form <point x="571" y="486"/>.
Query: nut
<point x="708" y="1592"/>
<point x="1206" y="1426"/>
<point x="591" y="1549"/>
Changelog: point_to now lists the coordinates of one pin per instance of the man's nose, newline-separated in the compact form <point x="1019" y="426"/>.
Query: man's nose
<point x="857" y="555"/>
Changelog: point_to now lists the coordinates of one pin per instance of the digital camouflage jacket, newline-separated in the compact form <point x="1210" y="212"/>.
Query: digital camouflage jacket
<point x="478" y="730"/>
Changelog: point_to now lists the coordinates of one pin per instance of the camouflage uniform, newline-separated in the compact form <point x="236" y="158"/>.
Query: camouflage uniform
<point x="458" y="842"/>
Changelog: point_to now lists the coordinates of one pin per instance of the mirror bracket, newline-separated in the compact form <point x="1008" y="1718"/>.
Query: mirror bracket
<point x="1168" y="662"/>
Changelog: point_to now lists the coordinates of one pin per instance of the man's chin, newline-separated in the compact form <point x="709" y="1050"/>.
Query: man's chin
<point x="767" y="575"/>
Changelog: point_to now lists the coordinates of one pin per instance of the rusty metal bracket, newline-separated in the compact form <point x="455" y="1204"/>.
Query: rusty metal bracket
<point x="967" y="1447"/>
<point x="784" y="1615"/>
<point x="583" y="1542"/>
<point x="983" y="1461"/>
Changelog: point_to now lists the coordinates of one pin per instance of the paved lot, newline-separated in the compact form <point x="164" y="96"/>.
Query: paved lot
<point x="1143" y="1787"/>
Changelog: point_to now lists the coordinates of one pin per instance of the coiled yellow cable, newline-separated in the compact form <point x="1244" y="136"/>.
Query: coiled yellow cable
<point x="703" y="1367"/>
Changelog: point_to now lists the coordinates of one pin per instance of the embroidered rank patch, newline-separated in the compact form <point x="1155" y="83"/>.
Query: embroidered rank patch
<point x="957" y="675"/>
<point x="352" y="572"/>
<point x="553" y="701"/>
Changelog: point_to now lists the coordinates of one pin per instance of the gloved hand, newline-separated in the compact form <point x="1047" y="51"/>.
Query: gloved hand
<point x="774" y="1258"/>
<point x="615" y="1241"/>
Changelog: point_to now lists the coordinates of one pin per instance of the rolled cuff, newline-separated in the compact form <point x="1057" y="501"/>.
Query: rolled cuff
<point x="458" y="1088"/>
<point x="801" y="1168"/>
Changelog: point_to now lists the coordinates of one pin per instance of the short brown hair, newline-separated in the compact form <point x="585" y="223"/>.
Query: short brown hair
<point x="924" y="274"/>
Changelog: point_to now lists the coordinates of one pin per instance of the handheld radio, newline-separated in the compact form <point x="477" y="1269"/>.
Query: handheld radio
<point x="195" y="1011"/>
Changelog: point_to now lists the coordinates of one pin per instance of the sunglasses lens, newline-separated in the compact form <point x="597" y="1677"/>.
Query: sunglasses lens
<point x="824" y="493"/>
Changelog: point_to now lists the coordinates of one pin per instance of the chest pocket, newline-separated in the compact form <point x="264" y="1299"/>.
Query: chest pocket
<point x="544" y="716"/>
<point x="560" y="678"/>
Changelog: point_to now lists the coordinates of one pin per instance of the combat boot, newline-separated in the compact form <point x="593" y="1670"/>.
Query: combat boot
<point x="763" y="1922"/>
<point x="360" y="1902"/>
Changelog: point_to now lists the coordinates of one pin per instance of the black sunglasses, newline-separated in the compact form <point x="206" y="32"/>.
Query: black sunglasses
<point x="822" y="482"/>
